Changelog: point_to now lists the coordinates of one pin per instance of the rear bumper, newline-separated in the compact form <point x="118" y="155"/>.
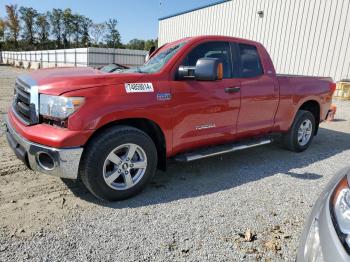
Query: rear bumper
<point x="328" y="112"/>
<point x="64" y="162"/>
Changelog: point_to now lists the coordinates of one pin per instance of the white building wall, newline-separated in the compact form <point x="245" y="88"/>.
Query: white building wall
<point x="308" y="37"/>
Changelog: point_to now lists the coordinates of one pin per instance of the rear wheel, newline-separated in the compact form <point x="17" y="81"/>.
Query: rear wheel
<point x="301" y="133"/>
<point x="118" y="163"/>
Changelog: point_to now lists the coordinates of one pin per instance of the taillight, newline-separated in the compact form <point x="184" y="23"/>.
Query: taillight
<point x="332" y="87"/>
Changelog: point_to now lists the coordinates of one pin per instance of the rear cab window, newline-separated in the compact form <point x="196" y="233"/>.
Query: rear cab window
<point x="250" y="64"/>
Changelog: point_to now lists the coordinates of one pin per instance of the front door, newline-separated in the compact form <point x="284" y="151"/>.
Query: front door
<point x="205" y="112"/>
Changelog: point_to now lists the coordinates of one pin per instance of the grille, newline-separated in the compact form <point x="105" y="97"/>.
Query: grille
<point x="22" y="102"/>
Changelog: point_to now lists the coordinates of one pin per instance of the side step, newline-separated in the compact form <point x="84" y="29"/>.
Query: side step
<point x="221" y="149"/>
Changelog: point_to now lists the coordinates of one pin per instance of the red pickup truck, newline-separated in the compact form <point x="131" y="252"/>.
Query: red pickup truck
<point x="194" y="98"/>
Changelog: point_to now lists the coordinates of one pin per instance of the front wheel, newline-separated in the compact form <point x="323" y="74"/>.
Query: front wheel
<point x="118" y="163"/>
<point x="301" y="133"/>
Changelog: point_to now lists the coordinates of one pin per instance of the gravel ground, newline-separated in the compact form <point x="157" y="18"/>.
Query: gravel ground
<point x="193" y="212"/>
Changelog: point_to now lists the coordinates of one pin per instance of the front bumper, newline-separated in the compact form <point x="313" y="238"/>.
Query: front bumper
<point x="65" y="161"/>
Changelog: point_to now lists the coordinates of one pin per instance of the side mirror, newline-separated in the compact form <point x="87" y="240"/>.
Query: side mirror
<point x="150" y="52"/>
<point x="208" y="69"/>
<point x="186" y="72"/>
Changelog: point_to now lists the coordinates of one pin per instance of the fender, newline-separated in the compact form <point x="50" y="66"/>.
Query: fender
<point x="116" y="107"/>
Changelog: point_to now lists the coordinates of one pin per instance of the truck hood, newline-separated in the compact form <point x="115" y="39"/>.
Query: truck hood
<point x="57" y="81"/>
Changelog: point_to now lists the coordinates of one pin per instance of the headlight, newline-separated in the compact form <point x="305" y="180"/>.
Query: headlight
<point x="59" y="107"/>
<point x="340" y="210"/>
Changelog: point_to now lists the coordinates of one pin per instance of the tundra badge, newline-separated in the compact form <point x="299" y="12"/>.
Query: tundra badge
<point x="206" y="126"/>
<point x="163" y="96"/>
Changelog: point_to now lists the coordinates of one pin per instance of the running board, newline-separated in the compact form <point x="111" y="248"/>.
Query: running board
<point x="219" y="150"/>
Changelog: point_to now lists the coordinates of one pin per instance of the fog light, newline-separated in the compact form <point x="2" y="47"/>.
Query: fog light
<point x="45" y="161"/>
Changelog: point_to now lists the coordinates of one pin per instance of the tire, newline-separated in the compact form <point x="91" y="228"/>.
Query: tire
<point x="291" y="140"/>
<point x="107" y="171"/>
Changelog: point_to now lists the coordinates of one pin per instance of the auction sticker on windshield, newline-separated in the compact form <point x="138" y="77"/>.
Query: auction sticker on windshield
<point x="138" y="87"/>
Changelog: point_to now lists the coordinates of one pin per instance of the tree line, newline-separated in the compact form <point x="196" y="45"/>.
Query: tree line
<point x="24" y="28"/>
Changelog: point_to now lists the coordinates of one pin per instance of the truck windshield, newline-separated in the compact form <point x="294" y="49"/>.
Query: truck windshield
<point x="157" y="62"/>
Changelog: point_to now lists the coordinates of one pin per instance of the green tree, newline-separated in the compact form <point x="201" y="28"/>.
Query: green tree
<point x="68" y="28"/>
<point x="2" y="30"/>
<point x="76" y="25"/>
<point x="112" y="36"/>
<point x="151" y="43"/>
<point x="13" y="23"/>
<point x="56" y="17"/>
<point x="86" y="24"/>
<point x="136" y="44"/>
<point x="28" y="16"/>
<point x="59" y="29"/>
<point x="43" y="29"/>
<point x="96" y="32"/>
<point x="142" y="44"/>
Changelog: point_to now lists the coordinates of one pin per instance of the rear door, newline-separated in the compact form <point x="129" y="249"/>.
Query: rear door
<point x="259" y="93"/>
<point x="205" y="112"/>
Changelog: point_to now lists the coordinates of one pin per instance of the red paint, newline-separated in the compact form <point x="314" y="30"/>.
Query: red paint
<point x="49" y="135"/>
<point x="265" y="104"/>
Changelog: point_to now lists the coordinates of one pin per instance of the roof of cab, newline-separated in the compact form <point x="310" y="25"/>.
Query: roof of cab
<point x="216" y="37"/>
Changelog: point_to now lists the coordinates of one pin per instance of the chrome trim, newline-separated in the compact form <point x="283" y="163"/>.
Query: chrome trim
<point x="25" y="80"/>
<point x="41" y="164"/>
<point x="241" y="147"/>
<point x="18" y="116"/>
<point x="66" y="160"/>
<point x="34" y="99"/>
<point x="219" y="150"/>
<point x="205" y="126"/>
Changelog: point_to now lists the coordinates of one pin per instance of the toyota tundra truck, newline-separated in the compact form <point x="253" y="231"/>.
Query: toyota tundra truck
<point x="194" y="98"/>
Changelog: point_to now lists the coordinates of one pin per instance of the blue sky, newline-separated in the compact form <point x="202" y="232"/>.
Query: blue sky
<point x="137" y="18"/>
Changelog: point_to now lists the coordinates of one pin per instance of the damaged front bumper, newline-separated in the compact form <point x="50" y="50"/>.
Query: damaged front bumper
<point x="59" y="162"/>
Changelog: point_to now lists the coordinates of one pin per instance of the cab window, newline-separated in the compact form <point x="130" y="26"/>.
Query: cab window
<point x="250" y="61"/>
<point x="219" y="50"/>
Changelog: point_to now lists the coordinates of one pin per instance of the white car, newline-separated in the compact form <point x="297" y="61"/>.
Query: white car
<point x="326" y="236"/>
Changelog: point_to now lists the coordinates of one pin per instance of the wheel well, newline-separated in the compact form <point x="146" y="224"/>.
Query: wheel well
<point x="313" y="107"/>
<point x="147" y="126"/>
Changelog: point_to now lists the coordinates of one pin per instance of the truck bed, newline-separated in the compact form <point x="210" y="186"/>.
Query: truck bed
<point x="305" y="77"/>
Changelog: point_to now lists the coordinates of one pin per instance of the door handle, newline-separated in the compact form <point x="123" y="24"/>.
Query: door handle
<point x="232" y="89"/>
